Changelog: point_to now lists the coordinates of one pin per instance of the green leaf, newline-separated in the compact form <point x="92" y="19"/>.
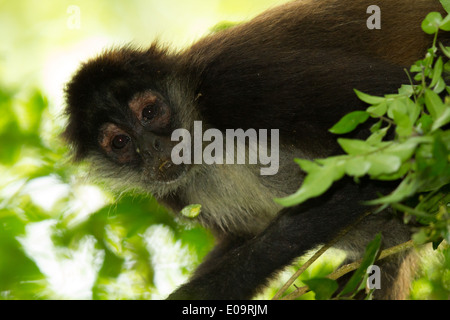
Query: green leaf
<point x="423" y="157"/>
<point x="399" y="174"/>
<point x="322" y="287"/>
<point x="437" y="72"/>
<point x="318" y="180"/>
<point x="355" y="146"/>
<point x="446" y="52"/>
<point x="406" y="90"/>
<point x="440" y="157"/>
<point x="405" y="150"/>
<point x="376" y="127"/>
<point x="446" y="5"/>
<point x="425" y="123"/>
<point x="357" y="167"/>
<point x="368" y="98"/>
<point x="383" y="164"/>
<point x="417" y="66"/>
<point x="349" y="122"/>
<point x="413" y="110"/>
<point x="447" y="64"/>
<point x="434" y="104"/>
<point x="307" y="165"/>
<point x="440" y="86"/>
<point x="192" y="210"/>
<point x="384" y="159"/>
<point x="397" y="105"/>
<point x="314" y="185"/>
<point x="420" y="237"/>
<point x="442" y="120"/>
<point x="377" y="110"/>
<point x="418" y="77"/>
<point x="360" y="275"/>
<point x="404" y="126"/>
<point x="445" y="24"/>
<point x="432" y="22"/>
<point x="407" y="187"/>
<point x="377" y="136"/>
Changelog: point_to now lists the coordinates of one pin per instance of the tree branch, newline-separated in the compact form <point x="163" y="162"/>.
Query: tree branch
<point x="320" y="252"/>
<point x="351" y="267"/>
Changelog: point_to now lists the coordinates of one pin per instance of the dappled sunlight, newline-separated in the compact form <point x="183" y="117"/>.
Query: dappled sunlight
<point x="169" y="259"/>
<point x="46" y="191"/>
<point x="70" y="273"/>
<point x="86" y="199"/>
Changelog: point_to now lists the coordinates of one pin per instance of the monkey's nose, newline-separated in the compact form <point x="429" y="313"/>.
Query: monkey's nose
<point x="148" y="144"/>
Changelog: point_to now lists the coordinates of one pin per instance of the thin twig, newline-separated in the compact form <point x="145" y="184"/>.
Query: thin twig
<point x="320" y="252"/>
<point x="418" y="213"/>
<point x="304" y="267"/>
<point x="352" y="267"/>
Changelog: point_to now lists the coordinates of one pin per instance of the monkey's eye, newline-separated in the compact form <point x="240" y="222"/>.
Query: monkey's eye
<point x="120" y="141"/>
<point x="149" y="112"/>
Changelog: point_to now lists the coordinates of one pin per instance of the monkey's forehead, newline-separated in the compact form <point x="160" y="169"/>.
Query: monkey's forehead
<point x="103" y="78"/>
<point x="126" y="62"/>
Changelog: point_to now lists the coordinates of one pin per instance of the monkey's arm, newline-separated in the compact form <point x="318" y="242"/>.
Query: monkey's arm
<point x="240" y="272"/>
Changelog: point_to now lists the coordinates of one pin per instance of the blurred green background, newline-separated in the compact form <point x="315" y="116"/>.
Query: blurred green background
<point x="60" y="236"/>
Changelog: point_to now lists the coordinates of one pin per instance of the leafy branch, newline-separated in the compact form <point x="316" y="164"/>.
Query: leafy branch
<point x="419" y="154"/>
<point x="330" y="285"/>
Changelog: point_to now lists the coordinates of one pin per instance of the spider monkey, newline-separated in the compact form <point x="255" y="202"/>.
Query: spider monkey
<point x="292" y="68"/>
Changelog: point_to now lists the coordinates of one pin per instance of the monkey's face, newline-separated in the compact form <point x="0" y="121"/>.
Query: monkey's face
<point x="143" y="140"/>
<point x="121" y="119"/>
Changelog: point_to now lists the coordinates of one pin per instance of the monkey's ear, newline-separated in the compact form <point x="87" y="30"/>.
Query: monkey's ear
<point x="74" y="139"/>
<point x="76" y="131"/>
<point x="82" y="114"/>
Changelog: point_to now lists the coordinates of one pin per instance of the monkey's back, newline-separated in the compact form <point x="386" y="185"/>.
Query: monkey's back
<point x="262" y="67"/>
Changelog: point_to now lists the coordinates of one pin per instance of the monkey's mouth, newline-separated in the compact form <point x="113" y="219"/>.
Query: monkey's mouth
<point x="165" y="171"/>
